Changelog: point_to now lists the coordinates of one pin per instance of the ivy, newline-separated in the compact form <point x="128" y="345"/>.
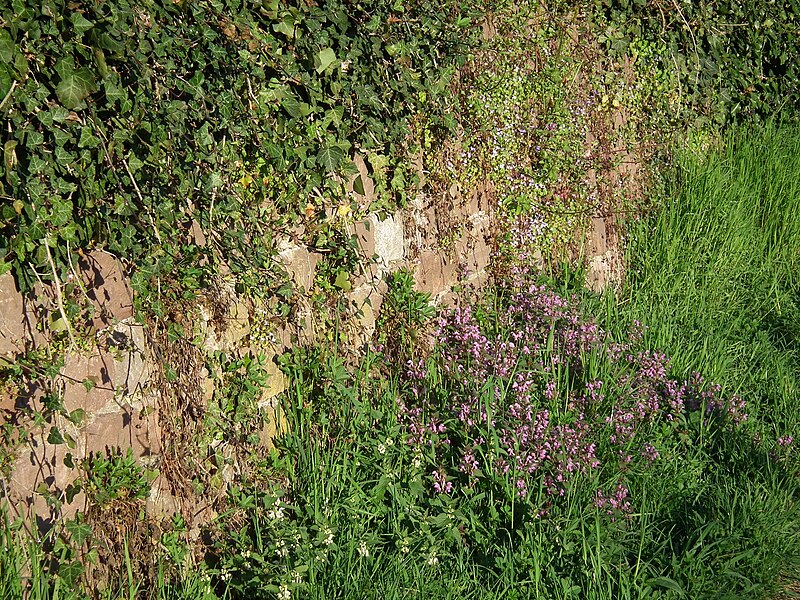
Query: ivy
<point x="732" y="60"/>
<point x="127" y="120"/>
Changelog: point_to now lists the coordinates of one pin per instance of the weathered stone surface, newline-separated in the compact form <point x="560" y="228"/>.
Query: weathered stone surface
<point x="368" y="186"/>
<point x="389" y="240"/>
<point x="12" y="319"/>
<point x="162" y="504"/>
<point x="131" y="371"/>
<point x="275" y="424"/>
<point x="434" y="273"/>
<point x="276" y="380"/>
<point x="300" y="264"/>
<point x="365" y="235"/>
<point x="366" y="300"/>
<point x="107" y="288"/>
<point x="598" y="238"/>
<point x="137" y="429"/>
<point x="472" y="248"/>
<point x="88" y="380"/>
<point x="40" y="467"/>
<point x="224" y="336"/>
<point x="605" y="262"/>
<point x="602" y="272"/>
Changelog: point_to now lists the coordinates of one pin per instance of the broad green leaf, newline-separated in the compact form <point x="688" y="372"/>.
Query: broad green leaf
<point x="6" y="81"/>
<point x="325" y="58"/>
<point x="285" y="27"/>
<point x="55" y="436"/>
<point x="295" y="108"/>
<point x="73" y="489"/>
<point x="343" y="281"/>
<point x="330" y="157"/>
<point x="70" y="572"/>
<point x="88" y="139"/>
<point x="75" y="87"/>
<point x="134" y="164"/>
<point x="80" y="23"/>
<point x="203" y="136"/>
<point x="78" y="416"/>
<point x="358" y="185"/>
<point x="7" y="47"/>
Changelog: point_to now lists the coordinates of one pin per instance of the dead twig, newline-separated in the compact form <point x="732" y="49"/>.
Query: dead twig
<point x="59" y="296"/>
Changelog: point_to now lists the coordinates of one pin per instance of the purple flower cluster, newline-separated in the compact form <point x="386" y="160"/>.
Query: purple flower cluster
<point x="522" y="401"/>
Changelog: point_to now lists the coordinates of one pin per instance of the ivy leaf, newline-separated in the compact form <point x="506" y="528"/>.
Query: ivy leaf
<point x="6" y="81"/>
<point x="358" y="185"/>
<point x="80" y="23"/>
<point x="330" y="157"/>
<point x="74" y="87"/>
<point x="295" y="108"/>
<point x="343" y="281"/>
<point x="7" y="46"/>
<point x="78" y="532"/>
<point x="70" y="572"/>
<point x="55" y="436"/>
<point x="325" y="58"/>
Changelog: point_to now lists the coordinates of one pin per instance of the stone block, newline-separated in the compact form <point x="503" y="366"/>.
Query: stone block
<point x="88" y="380"/>
<point x="435" y="273"/>
<point x="389" y="240"/>
<point x="40" y="468"/>
<point x="224" y="335"/>
<point x="13" y="331"/>
<point x="300" y="264"/>
<point x="276" y="380"/>
<point x="366" y="300"/>
<point x="367" y="183"/>
<point x="275" y="424"/>
<point x="107" y="288"/>
<point x="365" y="235"/>
<point x="127" y="428"/>
<point x="130" y="372"/>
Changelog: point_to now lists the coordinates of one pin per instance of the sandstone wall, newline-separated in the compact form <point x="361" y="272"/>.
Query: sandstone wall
<point x="112" y="385"/>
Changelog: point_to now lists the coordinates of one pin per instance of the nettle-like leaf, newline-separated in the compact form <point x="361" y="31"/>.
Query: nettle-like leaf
<point x="75" y="87"/>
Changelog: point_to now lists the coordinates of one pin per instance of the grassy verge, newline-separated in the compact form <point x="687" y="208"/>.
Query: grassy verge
<point x="541" y="452"/>
<point x="716" y="274"/>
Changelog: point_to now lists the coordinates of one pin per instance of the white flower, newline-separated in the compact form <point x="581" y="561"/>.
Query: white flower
<point x="282" y="549"/>
<point x="433" y="560"/>
<point x="285" y="593"/>
<point x="276" y="514"/>
<point x="363" y="551"/>
<point x="328" y="534"/>
<point x="381" y="449"/>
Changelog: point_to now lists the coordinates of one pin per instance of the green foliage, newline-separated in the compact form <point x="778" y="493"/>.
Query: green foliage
<point x="732" y="60"/>
<point x="129" y="120"/>
<point x="720" y="263"/>
<point x="234" y="415"/>
<point x="403" y="316"/>
<point x="115" y="477"/>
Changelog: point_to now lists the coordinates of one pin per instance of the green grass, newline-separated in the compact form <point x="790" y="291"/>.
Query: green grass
<point x="716" y="277"/>
<point x="716" y="274"/>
